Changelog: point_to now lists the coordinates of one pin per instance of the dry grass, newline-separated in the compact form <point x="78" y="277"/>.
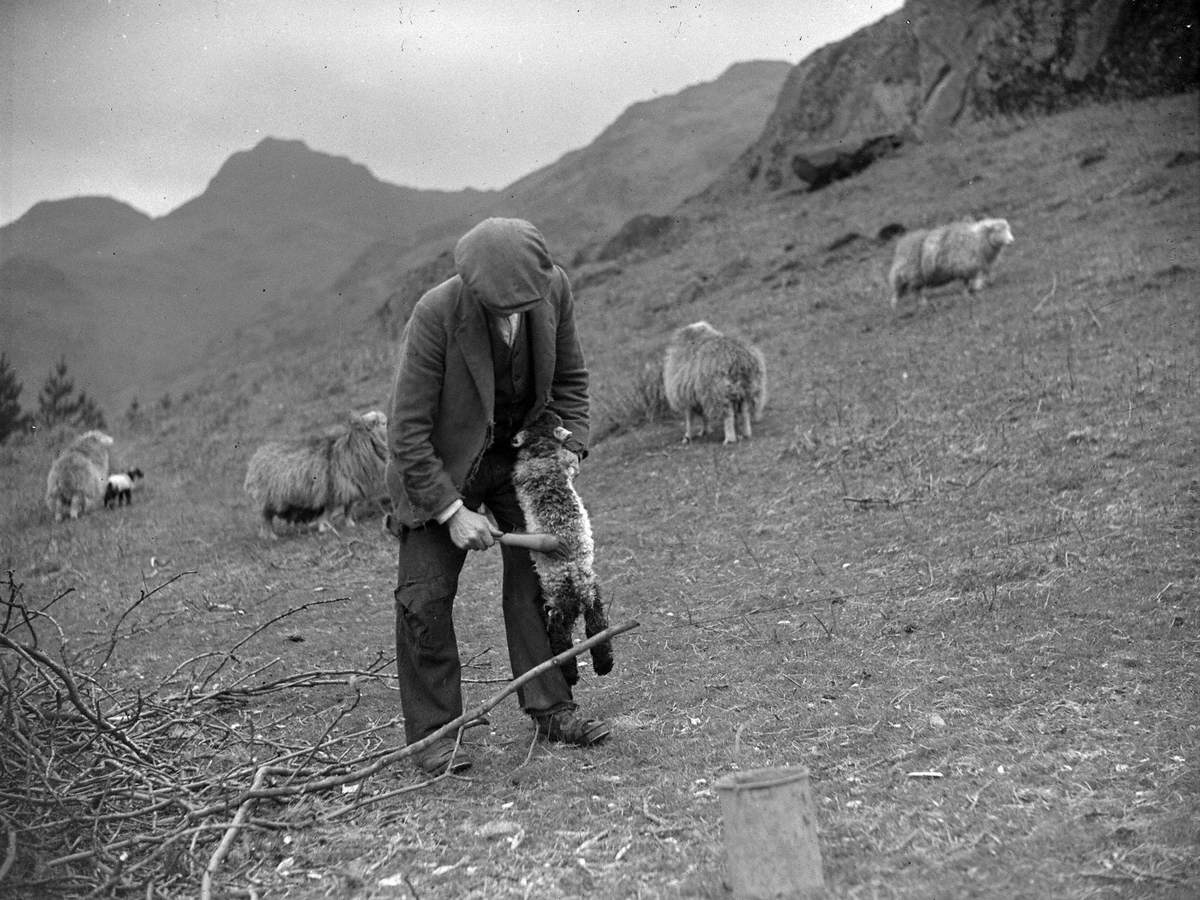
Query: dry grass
<point x="962" y="542"/>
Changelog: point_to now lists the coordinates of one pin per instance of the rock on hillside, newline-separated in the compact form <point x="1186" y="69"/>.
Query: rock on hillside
<point x="921" y="71"/>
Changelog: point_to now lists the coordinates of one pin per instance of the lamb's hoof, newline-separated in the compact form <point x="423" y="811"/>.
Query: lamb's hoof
<point x="602" y="659"/>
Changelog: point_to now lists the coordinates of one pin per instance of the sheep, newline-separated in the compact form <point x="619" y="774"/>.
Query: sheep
<point x="544" y="479"/>
<point x="305" y="479"/>
<point x="718" y="377"/>
<point x="78" y="475"/>
<point x="119" y="490"/>
<point x="962" y="251"/>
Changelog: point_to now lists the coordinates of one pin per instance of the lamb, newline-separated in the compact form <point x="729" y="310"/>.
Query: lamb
<point x="78" y="475"/>
<point x="719" y="378"/>
<point x="963" y="251"/>
<point x="305" y="479"/>
<point x="544" y="478"/>
<point x="119" y="490"/>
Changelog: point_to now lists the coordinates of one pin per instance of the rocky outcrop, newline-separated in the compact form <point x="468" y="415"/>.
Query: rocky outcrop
<point x="935" y="64"/>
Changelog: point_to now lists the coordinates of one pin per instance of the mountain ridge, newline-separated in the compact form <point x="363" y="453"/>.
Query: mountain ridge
<point x="277" y="233"/>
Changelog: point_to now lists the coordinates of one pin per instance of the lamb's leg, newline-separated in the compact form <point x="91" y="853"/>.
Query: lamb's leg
<point x="687" y="424"/>
<point x="595" y="621"/>
<point x="744" y="419"/>
<point x="730" y="424"/>
<point x="976" y="284"/>
<point x="265" y="531"/>
<point x="560" y="642"/>
<point x="324" y="524"/>
<point x="77" y="506"/>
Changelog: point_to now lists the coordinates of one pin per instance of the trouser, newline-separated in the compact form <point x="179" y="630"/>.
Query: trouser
<point x="426" y="645"/>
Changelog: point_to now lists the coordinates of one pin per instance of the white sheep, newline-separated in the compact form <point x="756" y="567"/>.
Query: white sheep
<point x="119" y="490"/>
<point x="78" y="475"/>
<point x="544" y="478"/>
<point x="717" y="377"/>
<point x="962" y="251"/>
<point x="306" y="479"/>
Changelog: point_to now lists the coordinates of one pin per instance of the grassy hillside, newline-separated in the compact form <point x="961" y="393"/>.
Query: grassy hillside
<point x="954" y="574"/>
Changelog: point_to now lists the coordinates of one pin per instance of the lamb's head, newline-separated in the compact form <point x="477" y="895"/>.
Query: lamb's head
<point x="372" y="425"/>
<point x="95" y="437"/>
<point x="696" y="331"/>
<point x="375" y="420"/>
<point x="545" y="438"/>
<point x="996" y="230"/>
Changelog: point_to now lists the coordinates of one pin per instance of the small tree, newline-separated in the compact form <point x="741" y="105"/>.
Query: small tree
<point x="11" y="417"/>
<point x="59" y="404"/>
<point x="89" y="414"/>
<point x="134" y="417"/>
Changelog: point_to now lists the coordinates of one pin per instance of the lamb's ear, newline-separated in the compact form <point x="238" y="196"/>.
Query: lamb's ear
<point x="561" y="434"/>
<point x="519" y="439"/>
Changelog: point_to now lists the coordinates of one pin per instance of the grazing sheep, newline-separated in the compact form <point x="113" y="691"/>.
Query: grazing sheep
<point x="544" y="477"/>
<point x="78" y="476"/>
<point x="306" y="479"/>
<point x="119" y="490"/>
<point x="718" y="377"/>
<point x="963" y="251"/>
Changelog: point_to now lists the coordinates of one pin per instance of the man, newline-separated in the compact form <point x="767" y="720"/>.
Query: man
<point x="482" y="354"/>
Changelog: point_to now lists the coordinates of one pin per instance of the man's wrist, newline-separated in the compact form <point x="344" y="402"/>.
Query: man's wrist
<point x="444" y="516"/>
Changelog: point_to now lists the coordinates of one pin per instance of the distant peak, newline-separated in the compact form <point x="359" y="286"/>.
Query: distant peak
<point x="93" y="204"/>
<point x="274" y="162"/>
<point x="277" y="145"/>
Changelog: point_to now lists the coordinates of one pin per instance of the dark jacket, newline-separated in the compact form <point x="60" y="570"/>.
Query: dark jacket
<point x="441" y="415"/>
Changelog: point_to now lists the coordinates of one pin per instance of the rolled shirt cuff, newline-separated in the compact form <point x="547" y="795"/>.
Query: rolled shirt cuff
<point x="444" y="516"/>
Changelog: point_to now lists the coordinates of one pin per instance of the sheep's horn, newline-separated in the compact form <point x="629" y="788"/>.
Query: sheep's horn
<point x="543" y="543"/>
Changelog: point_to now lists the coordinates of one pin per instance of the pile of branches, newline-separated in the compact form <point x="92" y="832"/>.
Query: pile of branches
<point x="107" y="791"/>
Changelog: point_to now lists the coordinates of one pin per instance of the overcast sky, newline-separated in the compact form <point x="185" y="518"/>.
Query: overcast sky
<point x="143" y="100"/>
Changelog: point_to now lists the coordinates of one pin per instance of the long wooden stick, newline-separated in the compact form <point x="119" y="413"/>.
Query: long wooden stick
<point x="387" y="759"/>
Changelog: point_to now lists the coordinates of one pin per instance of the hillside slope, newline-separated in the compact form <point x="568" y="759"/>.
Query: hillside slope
<point x="953" y="574"/>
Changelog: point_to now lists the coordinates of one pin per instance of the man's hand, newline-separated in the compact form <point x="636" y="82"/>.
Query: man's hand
<point x="471" y="531"/>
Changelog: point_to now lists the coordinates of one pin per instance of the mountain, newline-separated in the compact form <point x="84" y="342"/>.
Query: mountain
<point x="655" y="155"/>
<point x="287" y="242"/>
<point x="936" y="65"/>
<point x="288" y="239"/>
<point x="273" y="228"/>
<point x="59" y="227"/>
